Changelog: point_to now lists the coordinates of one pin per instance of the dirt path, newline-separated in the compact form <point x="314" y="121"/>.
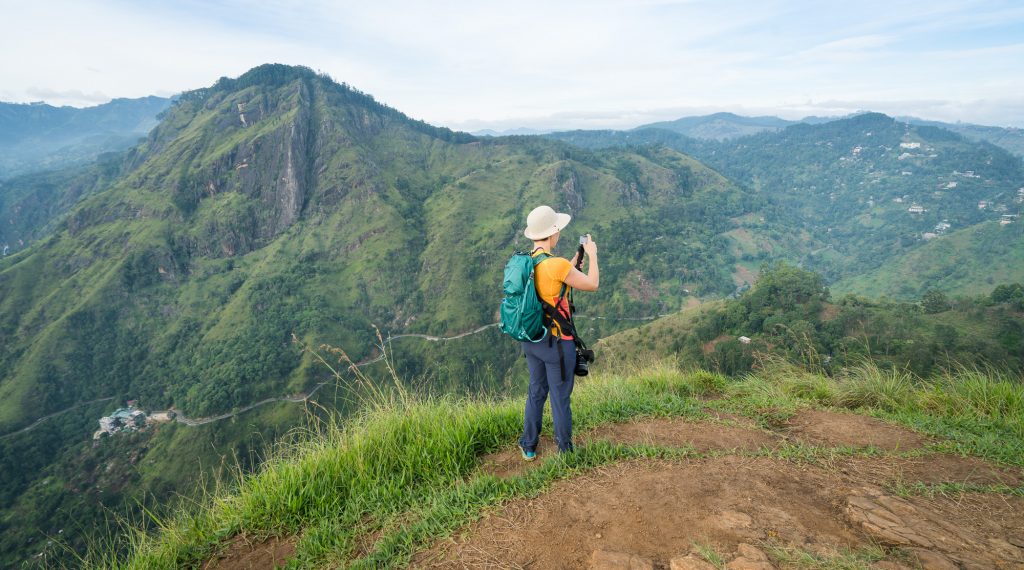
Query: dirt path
<point x="752" y="511"/>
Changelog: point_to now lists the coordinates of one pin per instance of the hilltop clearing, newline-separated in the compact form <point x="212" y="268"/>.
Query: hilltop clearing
<point x="740" y="496"/>
<point x="797" y="467"/>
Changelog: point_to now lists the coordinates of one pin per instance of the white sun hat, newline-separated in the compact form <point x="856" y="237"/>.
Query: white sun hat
<point x="543" y="222"/>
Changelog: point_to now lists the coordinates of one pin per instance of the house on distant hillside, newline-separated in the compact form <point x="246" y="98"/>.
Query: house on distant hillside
<point x="744" y="339"/>
<point x="1007" y="219"/>
<point x="983" y="204"/>
<point x="910" y="145"/>
<point x="942" y="226"/>
<point x="916" y="209"/>
<point x="123" y="419"/>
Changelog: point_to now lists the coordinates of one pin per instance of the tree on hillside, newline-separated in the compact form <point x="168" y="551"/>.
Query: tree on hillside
<point x="935" y="301"/>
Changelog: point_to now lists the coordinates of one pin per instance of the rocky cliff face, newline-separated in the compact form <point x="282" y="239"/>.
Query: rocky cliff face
<point x="569" y="189"/>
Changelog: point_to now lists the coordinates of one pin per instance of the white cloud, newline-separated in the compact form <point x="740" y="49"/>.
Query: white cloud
<point x="73" y="97"/>
<point x="578" y="63"/>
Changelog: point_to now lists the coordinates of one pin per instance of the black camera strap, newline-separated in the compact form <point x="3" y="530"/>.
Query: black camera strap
<point x="566" y="324"/>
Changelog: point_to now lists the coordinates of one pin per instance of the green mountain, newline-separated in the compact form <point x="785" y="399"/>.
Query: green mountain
<point x="861" y="190"/>
<point x="280" y="210"/>
<point x="1009" y="138"/>
<point x="282" y="202"/>
<point x="720" y="126"/>
<point x="37" y="136"/>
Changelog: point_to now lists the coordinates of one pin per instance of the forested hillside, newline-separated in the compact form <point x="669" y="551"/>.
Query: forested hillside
<point x="791" y="314"/>
<point x="280" y="210"/>
<point x="862" y="191"/>
<point x="720" y="126"/>
<point x="967" y="262"/>
<point x="31" y="204"/>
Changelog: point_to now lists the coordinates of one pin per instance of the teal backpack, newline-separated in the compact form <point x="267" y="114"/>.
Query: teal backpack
<point x="522" y="312"/>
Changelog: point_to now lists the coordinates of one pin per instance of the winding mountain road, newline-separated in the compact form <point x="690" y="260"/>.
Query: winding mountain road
<point x="182" y="419"/>
<point x="54" y="414"/>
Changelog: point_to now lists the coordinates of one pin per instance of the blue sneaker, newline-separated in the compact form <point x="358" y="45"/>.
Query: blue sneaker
<point x="528" y="455"/>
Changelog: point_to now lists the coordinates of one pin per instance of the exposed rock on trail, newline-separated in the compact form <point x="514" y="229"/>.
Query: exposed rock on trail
<point x="941" y="530"/>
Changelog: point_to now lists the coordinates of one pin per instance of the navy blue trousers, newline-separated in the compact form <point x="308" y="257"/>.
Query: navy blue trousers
<point x="546" y="378"/>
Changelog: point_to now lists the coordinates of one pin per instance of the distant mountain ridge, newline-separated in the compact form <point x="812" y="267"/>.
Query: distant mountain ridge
<point x="720" y="126"/>
<point x="38" y="136"/>
<point x="861" y="190"/>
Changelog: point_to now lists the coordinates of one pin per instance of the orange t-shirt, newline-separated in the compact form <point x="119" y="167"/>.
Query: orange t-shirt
<point x="549" y="276"/>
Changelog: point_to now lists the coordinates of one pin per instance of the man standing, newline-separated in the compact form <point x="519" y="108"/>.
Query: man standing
<point x="552" y="360"/>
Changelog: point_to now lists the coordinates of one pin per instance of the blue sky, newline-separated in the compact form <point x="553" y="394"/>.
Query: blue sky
<point x="555" y="64"/>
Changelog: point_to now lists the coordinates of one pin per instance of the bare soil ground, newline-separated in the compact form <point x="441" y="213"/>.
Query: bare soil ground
<point x="243" y="554"/>
<point x="654" y="514"/>
<point x="834" y="429"/>
<point x="702" y="436"/>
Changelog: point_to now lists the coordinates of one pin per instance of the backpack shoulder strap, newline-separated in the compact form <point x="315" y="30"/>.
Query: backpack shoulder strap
<point x="539" y="257"/>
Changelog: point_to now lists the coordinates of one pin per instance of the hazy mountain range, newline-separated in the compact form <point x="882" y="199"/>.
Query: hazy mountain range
<point x="38" y="136"/>
<point x="724" y="126"/>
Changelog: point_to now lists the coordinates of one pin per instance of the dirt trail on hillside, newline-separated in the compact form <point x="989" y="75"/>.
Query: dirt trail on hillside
<point x="750" y="510"/>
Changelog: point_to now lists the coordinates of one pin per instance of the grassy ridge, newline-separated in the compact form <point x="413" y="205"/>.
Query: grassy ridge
<point x="952" y="263"/>
<point x="405" y="468"/>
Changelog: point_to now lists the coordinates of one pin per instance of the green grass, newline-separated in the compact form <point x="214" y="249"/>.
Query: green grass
<point x="405" y="469"/>
<point x="954" y="489"/>
<point x="708" y="552"/>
